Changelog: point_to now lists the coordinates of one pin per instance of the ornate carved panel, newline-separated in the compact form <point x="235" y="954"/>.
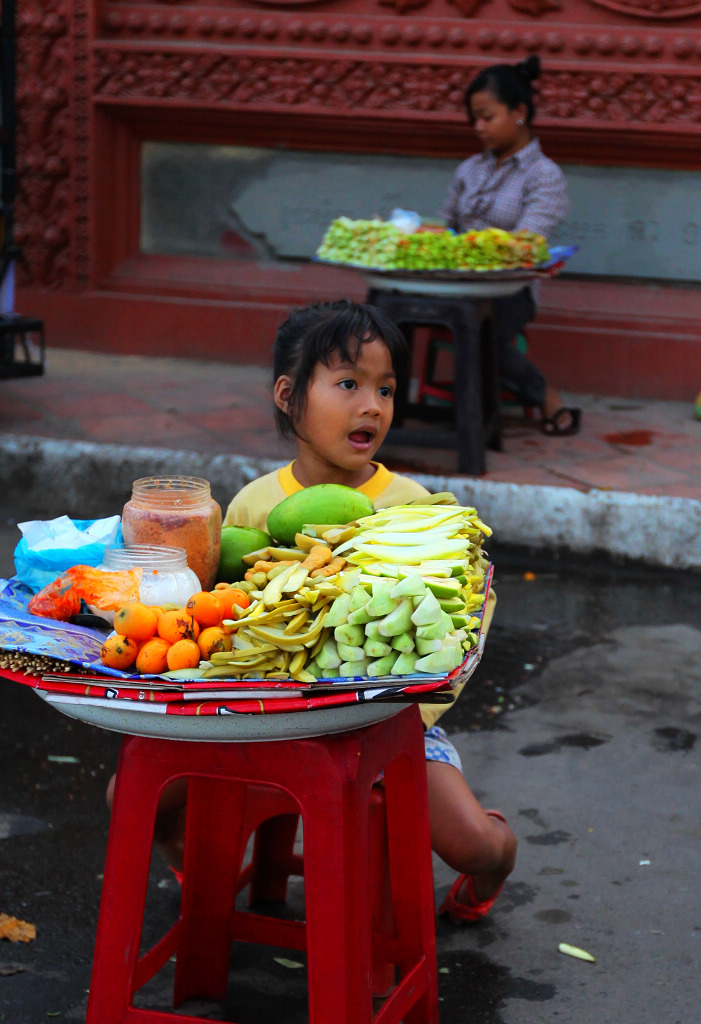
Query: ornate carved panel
<point x="613" y="69"/>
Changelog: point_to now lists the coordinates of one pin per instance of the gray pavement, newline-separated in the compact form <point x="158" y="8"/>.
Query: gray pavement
<point x="581" y="725"/>
<point x="627" y="487"/>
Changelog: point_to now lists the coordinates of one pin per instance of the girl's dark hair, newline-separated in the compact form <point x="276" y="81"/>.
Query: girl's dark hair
<point x="311" y="335"/>
<point x="509" y="84"/>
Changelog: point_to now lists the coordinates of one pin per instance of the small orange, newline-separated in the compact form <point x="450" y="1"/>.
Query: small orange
<point x="183" y="654"/>
<point x="136" y="620"/>
<point x="214" y="639"/>
<point x="206" y="608"/>
<point x="118" y="651"/>
<point x="178" y="624"/>
<point x="230" y="597"/>
<point x="153" y="656"/>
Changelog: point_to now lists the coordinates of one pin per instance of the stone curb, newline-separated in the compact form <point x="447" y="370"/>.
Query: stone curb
<point x="91" y="480"/>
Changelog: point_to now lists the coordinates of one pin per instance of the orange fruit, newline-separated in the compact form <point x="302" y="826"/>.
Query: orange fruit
<point x="230" y="597"/>
<point x="119" y="651"/>
<point x="136" y="620"/>
<point x="213" y="639"/>
<point x="153" y="656"/>
<point x="178" y="624"/>
<point x="206" y="608"/>
<point x="183" y="654"/>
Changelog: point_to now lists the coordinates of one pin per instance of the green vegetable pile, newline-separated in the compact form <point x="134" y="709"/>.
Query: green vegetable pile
<point x="366" y="243"/>
<point x="412" y="610"/>
<point x="376" y="243"/>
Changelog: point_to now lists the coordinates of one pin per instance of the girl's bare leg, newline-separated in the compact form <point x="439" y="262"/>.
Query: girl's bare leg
<point x="463" y="835"/>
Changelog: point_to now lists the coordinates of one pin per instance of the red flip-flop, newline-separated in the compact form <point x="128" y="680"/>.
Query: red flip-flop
<point x="474" y="909"/>
<point x="466" y="913"/>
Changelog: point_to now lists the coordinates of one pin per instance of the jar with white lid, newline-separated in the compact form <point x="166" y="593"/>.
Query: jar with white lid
<point x="166" y="578"/>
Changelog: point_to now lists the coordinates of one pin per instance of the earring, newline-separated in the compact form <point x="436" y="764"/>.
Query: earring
<point x="520" y="122"/>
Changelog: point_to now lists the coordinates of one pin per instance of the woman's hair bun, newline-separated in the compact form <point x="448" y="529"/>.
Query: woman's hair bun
<point x="529" y="68"/>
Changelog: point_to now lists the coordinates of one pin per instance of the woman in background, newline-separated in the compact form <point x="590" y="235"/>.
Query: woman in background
<point x="512" y="185"/>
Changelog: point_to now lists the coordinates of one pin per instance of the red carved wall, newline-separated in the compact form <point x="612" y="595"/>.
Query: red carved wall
<point x="621" y="84"/>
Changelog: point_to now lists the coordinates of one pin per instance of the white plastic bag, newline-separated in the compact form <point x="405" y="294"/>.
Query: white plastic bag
<point x="405" y="220"/>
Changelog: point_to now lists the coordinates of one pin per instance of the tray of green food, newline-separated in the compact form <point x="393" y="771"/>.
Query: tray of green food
<point x="382" y="248"/>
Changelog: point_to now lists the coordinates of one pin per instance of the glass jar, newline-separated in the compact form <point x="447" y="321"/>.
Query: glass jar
<point x="166" y="577"/>
<point x="177" y="511"/>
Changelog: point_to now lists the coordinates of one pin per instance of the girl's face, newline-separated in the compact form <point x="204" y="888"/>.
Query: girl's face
<point x="348" y="411"/>
<point x="497" y="125"/>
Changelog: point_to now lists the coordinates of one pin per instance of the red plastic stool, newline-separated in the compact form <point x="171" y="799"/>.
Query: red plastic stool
<point x="235" y="788"/>
<point x="443" y="391"/>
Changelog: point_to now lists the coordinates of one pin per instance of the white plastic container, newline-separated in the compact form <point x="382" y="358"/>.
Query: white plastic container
<point x="166" y="579"/>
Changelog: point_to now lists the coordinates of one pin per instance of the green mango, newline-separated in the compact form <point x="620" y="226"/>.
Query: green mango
<point x="398" y="621"/>
<point x="411" y="586"/>
<point x="321" y="503"/>
<point x="237" y="541"/>
<point x="425" y="646"/>
<point x="443" y="587"/>
<point x="404" y="665"/>
<point x="338" y="613"/>
<point x="372" y="630"/>
<point x="347" y="652"/>
<point x="404" y="642"/>
<point x="439" y="662"/>
<point x="353" y="636"/>
<point x="427" y="611"/>
<point x="381" y="603"/>
<point x="434" y="630"/>
<point x="383" y="666"/>
<point x="328" y="656"/>
<point x="376" y="648"/>
<point x="359" y="617"/>
<point x="353" y="668"/>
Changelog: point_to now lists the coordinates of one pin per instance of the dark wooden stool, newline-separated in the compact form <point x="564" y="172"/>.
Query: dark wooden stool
<point x="475" y="412"/>
<point x="22" y="346"/>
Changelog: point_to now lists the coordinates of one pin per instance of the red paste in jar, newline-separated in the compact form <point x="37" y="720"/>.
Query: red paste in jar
<point x="178" y="512"/>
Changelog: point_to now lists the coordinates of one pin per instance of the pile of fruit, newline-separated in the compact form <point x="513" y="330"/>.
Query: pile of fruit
<point x="152" y="640"/>
<point x="379" y="244"/>
<point x="388" y="593"/>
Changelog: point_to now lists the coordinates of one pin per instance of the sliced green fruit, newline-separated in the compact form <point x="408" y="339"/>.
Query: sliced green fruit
<point x="404" y="642"/>
<point x="427" y="611"/>
<point x="338" y="614"/>
<point x="398" y="621"/>
<point x="353" y="636"/>
<point x="383" y="666"/>
<point x="404" y="665"/>
<point x="376" y="648"/>
<point x="348" y="653"/>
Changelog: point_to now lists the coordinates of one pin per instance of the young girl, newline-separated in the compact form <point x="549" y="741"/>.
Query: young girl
<point x="335" y="368"/>
<point x="512" y="185"/>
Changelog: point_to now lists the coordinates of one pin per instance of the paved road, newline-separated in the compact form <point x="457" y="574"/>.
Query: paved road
<point x="581" y="725"/>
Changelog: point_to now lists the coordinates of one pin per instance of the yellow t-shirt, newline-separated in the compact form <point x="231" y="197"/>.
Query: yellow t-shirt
<point x="253" y="502"/>
<point x="250" y="507"/>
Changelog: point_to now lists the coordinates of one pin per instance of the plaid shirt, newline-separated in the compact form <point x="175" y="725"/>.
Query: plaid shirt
<point x="527" y="192"/>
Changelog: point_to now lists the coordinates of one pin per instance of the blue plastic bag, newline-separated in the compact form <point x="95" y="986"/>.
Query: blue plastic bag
<point x="49" y="547"/>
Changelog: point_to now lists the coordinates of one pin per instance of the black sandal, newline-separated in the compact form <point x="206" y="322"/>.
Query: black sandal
<point x="553" y="425"/>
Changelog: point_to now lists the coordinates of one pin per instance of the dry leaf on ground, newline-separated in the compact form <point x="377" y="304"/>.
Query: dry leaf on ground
<point x="15" y="930"/>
